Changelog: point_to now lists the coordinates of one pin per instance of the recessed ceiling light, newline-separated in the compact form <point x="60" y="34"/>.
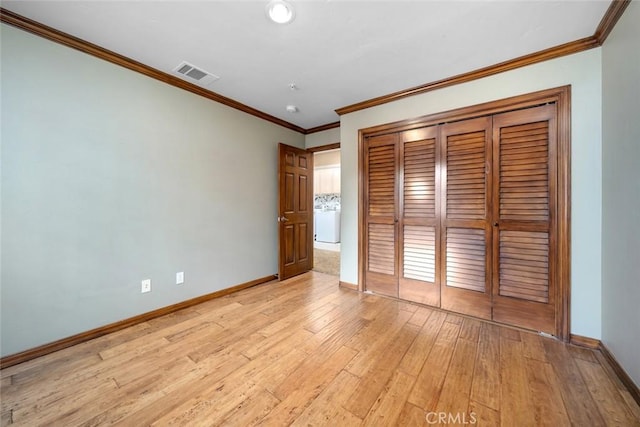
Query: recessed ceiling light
<point x="280" y="11"/>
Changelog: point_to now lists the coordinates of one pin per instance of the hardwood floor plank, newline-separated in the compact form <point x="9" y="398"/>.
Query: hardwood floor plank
<point x="582" y="353"/>
<point x="250" y="411"/>
<point x="483" y="415"/>
<point x="347" y="308"/>
<point x="454" y="318"/>
<point x="614" y="411"/>
<point x="456" y="389"/>
<point x="318" y="355"/>
<point x="580" y="406"/>
<point x="114" y="404"/>
<point x="470" y="329"/>
<point x="327" y="408"/>
<point x="626" y="396"/>
<point x="420" y="316"/>
<point x="6" y="418"/>
<point x="46" y="411"/>
<point x="375" y="374"/>
<point x="414" y="358"/>
<point x="305" y="313"/>
<point x="315" y="382"/>
<point x="146" y="408"/>
<point x="388" y="406"/>
<point x="426" y="391"/>
<point x="515" y="405"/>
<point x="229" y="336"/>
<point x="383" y="338"/>
<point x="532" y="346"/>
<point x="328" y="345"/>
<point x="486" y="377"/>
<point x="411" y="415"/>
<point x="510" y="333"/>
<point x="545" y="394"/>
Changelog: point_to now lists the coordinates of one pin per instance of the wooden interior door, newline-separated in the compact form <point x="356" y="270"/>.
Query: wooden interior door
<point x="380" y="218"/>
<point x="465" y="261"/>
<point x="524" y="241"/>
<point x="295" y="212"/>
<point x="419" y="227"/>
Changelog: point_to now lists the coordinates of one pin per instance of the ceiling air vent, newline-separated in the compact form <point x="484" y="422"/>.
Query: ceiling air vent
<point x="196" y="74"/>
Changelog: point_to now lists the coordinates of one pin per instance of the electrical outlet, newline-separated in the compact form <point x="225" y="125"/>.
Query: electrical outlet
<point x="146" y="286"/>
<point x="180" y="278"/>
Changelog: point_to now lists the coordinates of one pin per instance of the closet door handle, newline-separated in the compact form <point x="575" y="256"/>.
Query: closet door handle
<point x="495" y="224"/>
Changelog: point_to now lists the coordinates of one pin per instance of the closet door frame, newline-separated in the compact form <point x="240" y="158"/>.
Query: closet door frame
<point x="561" y="96"/>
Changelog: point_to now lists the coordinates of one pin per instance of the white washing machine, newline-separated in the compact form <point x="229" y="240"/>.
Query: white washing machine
<point x="327" y="226"/>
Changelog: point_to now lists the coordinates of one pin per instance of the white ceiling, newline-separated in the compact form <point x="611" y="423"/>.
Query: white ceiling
<point x="337" y="52"/>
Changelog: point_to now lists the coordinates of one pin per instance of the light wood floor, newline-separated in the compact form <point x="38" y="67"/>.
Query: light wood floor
<point x="305" y="352"/>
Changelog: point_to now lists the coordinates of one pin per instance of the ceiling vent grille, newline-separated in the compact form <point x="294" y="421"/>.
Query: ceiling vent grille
<point x="194" y="73"/>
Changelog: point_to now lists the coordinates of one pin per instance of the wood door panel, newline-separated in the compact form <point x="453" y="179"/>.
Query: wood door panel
<point x="419" y="228"/>
<point x="295" y="212"/>
<point x="381" y="248"/>
<point x="467" y="302"/>
<point x="303" y="196"/>
<point x="524" y="176"/>
<point x="289" y="193"/>
<point x="465" y="250"/>
<point x="289" y="241"/>
<point x="527" y="314"/>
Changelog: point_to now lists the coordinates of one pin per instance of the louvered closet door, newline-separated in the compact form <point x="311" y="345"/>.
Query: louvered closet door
<point x="381" y="221"/>
<point x="418" y="227"/>
<point x="465" y="255"/>
<point x="524" y="176"/>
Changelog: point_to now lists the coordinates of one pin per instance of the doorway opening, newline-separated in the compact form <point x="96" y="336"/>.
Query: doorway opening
<point x="326" y="211"/>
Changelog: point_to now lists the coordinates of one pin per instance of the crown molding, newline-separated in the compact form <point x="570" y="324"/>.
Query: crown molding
<point x="68" y="40"/>
<point x="610" y="19"/>
<point x="323" y="127"/>
<point x="522" y="61"/>
<point x="611" y="16"/>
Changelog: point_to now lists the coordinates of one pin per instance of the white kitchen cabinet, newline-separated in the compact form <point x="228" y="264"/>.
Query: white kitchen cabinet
<point x="326" y="180"/>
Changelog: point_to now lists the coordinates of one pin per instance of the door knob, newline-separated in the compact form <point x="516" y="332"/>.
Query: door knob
<point x="283" y="219"/>
<point x="495" y="224"/>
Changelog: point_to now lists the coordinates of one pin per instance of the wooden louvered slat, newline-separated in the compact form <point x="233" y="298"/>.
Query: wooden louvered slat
<point x="466" y="252"/>
<point x="381" y="239"/>
<point x="466" y="177"/>
<point x="419" y="252"/>
<point x="524" y="172"/>
<point x="382" y="183"/>
<point x="524" y="265"/>
<point x="419" y="178"/>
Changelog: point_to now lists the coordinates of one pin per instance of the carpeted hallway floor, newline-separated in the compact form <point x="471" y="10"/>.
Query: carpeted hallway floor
<point x="326" y="261"/>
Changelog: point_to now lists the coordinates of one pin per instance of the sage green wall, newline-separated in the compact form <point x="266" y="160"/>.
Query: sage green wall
<point x="583" y="72"/>
<point x="326" y="137"/>
<point x="621" y="191"/>
<point x="110" y="177"/>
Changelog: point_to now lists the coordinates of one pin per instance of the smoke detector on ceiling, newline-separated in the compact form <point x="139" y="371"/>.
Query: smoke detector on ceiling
<point x="197" y="75"/>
